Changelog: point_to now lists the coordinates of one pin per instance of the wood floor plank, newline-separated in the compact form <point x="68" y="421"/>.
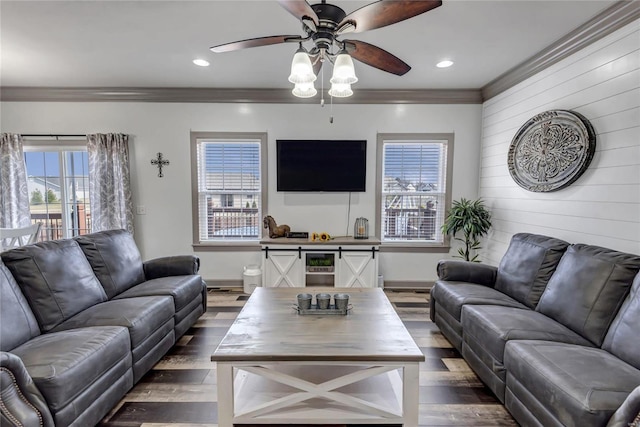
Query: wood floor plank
<point x="167" y="412"/>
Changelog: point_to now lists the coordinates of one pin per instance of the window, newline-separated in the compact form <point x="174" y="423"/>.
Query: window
<point x="413" y="187"/>
<point x="58" y="186"/>
<point x="229" y="168"/>
<point x="226" y="200"/>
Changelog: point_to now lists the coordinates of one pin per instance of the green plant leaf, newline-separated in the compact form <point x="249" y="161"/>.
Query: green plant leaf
<point x="472" y="219"/>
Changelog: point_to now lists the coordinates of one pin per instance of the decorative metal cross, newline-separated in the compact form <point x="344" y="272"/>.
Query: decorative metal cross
<point x="160" y="162"/>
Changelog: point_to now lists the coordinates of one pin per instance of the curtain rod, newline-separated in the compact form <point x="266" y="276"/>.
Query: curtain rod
<point x="52" y="135"/>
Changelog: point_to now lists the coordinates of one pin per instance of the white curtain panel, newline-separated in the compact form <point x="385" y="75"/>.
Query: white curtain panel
<point x="109" y="182"/>
<point x="14" y="196"/>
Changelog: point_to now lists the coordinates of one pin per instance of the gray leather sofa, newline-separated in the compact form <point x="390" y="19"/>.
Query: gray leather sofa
<point x="554" y="330"/>
<point x="84" y="319"/>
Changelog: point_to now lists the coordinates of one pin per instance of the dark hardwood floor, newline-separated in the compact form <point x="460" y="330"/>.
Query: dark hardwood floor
<point x="180" y="390"/>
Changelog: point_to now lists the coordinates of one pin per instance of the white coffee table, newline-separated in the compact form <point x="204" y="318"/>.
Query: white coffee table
<point x="275" y="366"/>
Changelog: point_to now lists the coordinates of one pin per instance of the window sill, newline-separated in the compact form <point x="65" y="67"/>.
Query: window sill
<point x="384" y="247"/>
<point x="228" y="246"/>
<point x="414" y="247"/>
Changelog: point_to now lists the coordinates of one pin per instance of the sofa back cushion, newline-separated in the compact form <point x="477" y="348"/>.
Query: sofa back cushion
<point x="527" y="266"/>
<point x="115" y="259"/>
<point x="588" y="288"/>
<point x="56" y="279"/>
<point x="622" y="337"/>
<point x="17" y="322"/>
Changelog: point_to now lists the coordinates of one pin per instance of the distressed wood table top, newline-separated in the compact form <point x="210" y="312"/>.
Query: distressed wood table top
<point x="269" y="328"/>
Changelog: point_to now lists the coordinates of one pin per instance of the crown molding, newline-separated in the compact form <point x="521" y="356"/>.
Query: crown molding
<point x="212" y="95"/>
<point x="609" y="20"/>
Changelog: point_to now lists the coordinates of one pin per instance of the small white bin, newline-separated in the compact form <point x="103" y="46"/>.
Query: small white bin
<point x="380" y="281"/>
<point x="252" y="278"/>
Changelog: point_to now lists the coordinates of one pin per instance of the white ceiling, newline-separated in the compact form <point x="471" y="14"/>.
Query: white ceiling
<point x="95" y="43"/>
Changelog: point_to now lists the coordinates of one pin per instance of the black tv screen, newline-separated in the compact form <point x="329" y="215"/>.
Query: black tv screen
<point x="321" y="165"/>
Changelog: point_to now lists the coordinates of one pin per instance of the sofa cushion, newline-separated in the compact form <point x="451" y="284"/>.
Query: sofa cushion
<point x="452" y="296"/>
<point x="64" y="364"/>
<point x="622" y="337"/>
<point x="56" y="279"/>
<point x="527" y="266"/>
<point x="588" y="288"/>
<point x="487" y="329"/>
<point x="183" y="289"/>
<point x="142" y="316"/>
<point x="17" y="322"/>
<point x="578" y="386"/>
<point x="115" y="259"/>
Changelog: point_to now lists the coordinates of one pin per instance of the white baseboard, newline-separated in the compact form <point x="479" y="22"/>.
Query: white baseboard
<point x="224" y="284"/>
<point x="408" y="285"/>
<point x="235" y="284"/>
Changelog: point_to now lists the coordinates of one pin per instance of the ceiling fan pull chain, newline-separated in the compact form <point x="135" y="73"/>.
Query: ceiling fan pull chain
<point x="321" y="85"/>
<point x="331" y="112"/>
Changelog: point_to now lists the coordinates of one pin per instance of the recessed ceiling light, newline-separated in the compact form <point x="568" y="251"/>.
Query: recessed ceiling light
<point x="201" y="62"/>
<point x="444" y="64"/>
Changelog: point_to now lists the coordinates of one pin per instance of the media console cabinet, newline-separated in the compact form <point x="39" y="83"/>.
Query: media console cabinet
<point x="341" y="262"/>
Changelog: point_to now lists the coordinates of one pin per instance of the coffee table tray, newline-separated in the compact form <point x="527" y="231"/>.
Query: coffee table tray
<point x="331" y="311"/>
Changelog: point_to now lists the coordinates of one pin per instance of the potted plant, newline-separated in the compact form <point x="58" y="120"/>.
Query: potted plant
<point x="474" y="221"/>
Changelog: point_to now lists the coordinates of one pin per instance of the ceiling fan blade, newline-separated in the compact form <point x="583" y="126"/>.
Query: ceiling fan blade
<point x="387" y="12"/>
<point x="300" y="9"/>
<point x="257" y="42"/>
<point x="376" y="57"/>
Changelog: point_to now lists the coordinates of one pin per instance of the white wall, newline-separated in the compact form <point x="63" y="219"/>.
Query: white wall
<point x="164" y="127"/>
<point x="601" y="82"/>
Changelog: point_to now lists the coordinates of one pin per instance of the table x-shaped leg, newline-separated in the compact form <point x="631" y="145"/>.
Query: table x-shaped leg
<point x="324" y="390"/>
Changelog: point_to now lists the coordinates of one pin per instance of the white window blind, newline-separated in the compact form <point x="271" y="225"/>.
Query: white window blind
<point x="413" y="190"/>
<point x="229" y="189"/>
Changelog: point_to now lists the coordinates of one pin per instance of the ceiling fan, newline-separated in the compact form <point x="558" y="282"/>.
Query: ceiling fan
<point x="324" y="24"/>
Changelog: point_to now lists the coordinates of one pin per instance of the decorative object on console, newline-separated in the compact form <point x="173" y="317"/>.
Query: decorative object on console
<point x="361" y="228"/>
<point x="321" y="237"/>
<point x="551" y="150"/>
<point x="324" y="24"/>
<point x="159" y="161"/>
<point x="274" y="229"/>
<point x="297" y="235"/>
<point x="320" y="264"/>
<point x="473" y="219"/>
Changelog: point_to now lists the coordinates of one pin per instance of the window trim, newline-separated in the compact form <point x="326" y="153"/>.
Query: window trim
<point x="410" y="246"/>
<point x="196" y="136"/>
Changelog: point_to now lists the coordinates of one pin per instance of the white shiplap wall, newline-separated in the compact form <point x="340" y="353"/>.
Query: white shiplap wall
<point x="602" y="82"/>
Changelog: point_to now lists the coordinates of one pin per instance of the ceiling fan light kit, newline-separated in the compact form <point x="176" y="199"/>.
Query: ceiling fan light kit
<point x="343" y="69"/>
<point x="301" y="68"/>
<point x="340" y="90"/>
<point x="304" y="90"/>
<point x="324" y="24"/>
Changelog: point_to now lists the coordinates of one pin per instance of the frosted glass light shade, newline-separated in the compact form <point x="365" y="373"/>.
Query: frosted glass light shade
<point x="343" y="70"/>
<point x="301" y="68"/>
<point x="340" y="90"/>
<point x="304" y="90"/>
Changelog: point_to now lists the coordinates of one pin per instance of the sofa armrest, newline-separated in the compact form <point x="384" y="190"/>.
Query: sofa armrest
<point x="22" y="403"/>
<point x="171" y="266"/>
<point x="466" y="271"/>
<point x="628" y="414"/>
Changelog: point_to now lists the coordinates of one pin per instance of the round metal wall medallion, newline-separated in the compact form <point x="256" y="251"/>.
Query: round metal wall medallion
<point x="551" y="150"/>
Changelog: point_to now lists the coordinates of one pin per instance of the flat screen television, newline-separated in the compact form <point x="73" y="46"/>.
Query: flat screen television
<point x="321" y="165"/>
